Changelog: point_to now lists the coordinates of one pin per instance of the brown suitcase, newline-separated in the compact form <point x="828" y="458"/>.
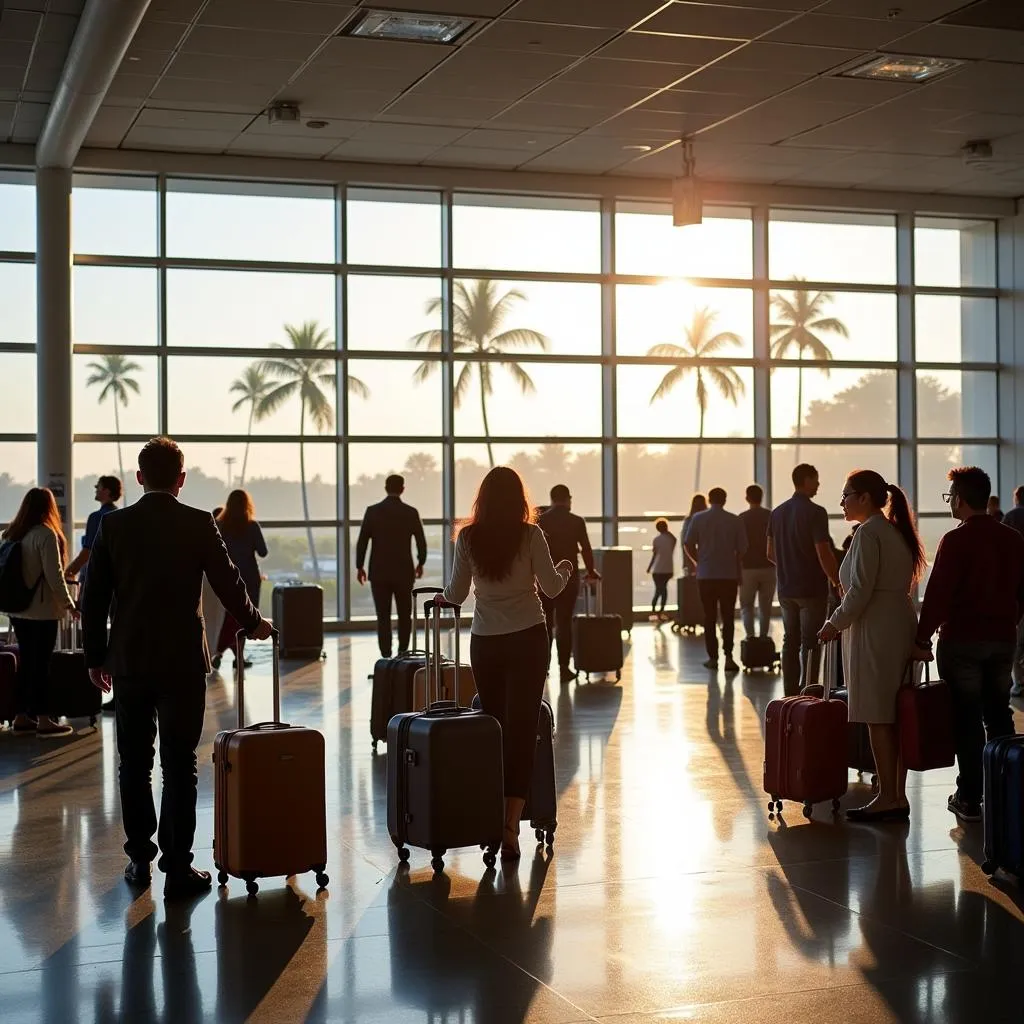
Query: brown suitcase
<point x="269" y="802"/>
<point x="466" y="681"/>
<point x="297" y="610"/>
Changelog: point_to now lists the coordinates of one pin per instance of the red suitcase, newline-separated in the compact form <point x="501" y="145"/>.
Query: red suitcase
<point x="805" y="749"/>
<point x="925" y="717"/>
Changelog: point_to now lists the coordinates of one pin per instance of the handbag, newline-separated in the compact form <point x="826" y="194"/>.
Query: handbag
<point x="924" y="716"/>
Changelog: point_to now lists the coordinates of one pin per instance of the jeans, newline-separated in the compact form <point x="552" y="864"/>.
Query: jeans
<point x="36" y="640"/>
<point x="1018" y="660"/>
<point x="384" y="592"/>
<point x="661" y="580"/>
<point x="719" y="599"/>
<point x="509" y="671"/>
<point x="759" y="583"/>
<point x="802" y="617"/>
<point x="558" y="613"/>
<point x="978" y="676"/>
<point x="178" y="705"/>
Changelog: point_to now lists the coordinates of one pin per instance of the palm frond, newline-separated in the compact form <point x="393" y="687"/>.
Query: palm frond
<point x="357" y="387"/>
<point x="718" y="342"/>
<point x="668" y="382"/>
<point x="832" y="325"/>
<point x="432" y="341"/>
<point x="728" y="382"/>
<point x="522" y="378"/>
<point x="275" y="398"/>
<point x="667" y="350"/>
<point x="521" y="337"/>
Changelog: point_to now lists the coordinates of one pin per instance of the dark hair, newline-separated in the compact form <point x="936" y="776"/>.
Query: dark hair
<point x="973" y="486"/>
<point x="698" y="503"/>
<point x="1018" y="495"/>
<point x="237" y="514"/>
<point x="802" y="473"/>
<point x="38" y="508"/>
<point x="661" y="524"/>
<point x="161" y="463"/>
<point x="717" y="496"/>
<point x="217" y="511"/>
<point x="560" y="493"/>
<point x="755" y="494"/>
<point x="112" y="485"/>
<point x="867" y="481"/>
<point x="494" y="532"/>
<point x="394" y="484"/>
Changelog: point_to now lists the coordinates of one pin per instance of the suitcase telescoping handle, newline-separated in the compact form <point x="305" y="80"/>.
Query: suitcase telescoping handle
<point x="416" y="591"/>
<point x="275" y="638"/>
<point x="831" y="668"/>
<point x="598" y="596"/>
<point x="435" y="664"/>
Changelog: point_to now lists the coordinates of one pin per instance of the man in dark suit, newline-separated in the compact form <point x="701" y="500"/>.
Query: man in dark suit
<point x="389" y="527"/>
<point x="148" y="563"/>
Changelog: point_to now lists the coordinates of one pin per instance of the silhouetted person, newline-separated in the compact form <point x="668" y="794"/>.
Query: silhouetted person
<point x="698" y="503"/>
<point x="567" y="538"/>
<point x="993" y="508"/>
<point x="388" y="528"/>
<point x="758" y="576"/>
<point x="661" y="566"/>
<point x="150" y="559"/>
<point x="1015" y="518"/>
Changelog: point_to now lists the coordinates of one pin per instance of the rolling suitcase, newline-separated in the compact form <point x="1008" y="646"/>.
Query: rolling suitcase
<point x="298" y="613"/>
<point x="689" y="607"/>
<point x="445" y="781"/>
<point x="269" y="804"/>
<point x="924" y="714"/>
<point x="596" y="639"/>
<point x="72" y="694"/>
<point x="1003" y="810"/>
<point x="805" y="748"/>
<point x="859" y="755"/>
<point x="8" y="686"/>
<point x="758" y="652"/>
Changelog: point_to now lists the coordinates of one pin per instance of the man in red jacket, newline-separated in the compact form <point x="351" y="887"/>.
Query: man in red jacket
<point x="974" y="598"/>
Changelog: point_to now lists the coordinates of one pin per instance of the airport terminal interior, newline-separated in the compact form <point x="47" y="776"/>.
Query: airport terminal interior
<point x="642" y="248"/>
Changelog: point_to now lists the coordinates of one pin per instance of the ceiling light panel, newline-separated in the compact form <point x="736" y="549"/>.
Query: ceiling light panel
<point x="444" y="29"/>
<point x="901" y="68"/>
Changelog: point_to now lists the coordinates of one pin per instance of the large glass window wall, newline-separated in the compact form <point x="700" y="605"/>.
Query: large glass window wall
<point x="306" y="341"/>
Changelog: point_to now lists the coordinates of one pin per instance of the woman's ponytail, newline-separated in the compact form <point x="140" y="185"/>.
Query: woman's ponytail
<point x="903" y="519"/>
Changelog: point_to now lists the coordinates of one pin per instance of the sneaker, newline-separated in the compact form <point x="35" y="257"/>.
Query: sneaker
<point x="711" y="663"/>
<point x="965" y="811"/>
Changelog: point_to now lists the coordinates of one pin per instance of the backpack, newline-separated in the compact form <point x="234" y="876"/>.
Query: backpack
<point x="15" y="594"/>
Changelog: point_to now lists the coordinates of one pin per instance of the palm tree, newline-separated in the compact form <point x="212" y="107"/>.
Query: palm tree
<point x="479" y="317"/>
<point x="800" y="317"/>
<point x="111" y="373"/>
<point x="699" y="344"/>
<point x="252" y="386"/>
<point x="302" y="373"/>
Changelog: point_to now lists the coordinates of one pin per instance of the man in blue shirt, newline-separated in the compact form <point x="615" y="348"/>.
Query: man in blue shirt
<point x="800" y="546"/>
<point x="716" y="541"/>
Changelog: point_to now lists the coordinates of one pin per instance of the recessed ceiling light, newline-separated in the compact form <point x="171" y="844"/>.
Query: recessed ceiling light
<point x="445" y="29"/>
<point x="316" y="125"/>
<point x="901" y="68"/>
<point x="639" y="149"/>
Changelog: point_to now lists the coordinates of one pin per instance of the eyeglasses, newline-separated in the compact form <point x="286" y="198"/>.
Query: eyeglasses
<point x="846" y="495"/>
<point x="947" y="497"/>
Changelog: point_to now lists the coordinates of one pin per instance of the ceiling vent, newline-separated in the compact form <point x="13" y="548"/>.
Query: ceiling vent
<point x="283" y="113"/>
<point x="409" y="27"/>
<point x="892" y="67"/>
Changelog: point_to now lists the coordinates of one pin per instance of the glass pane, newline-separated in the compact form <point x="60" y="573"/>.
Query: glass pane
<point x="638" y="536"/>
<point x="661" y="479"/>
<point x="18" y="408"/>
<point x="245" y="309"/>
<point x="662" y="401"/>
<point x="520" y="399"/>
<point x="369" y="465"/>
<point x="526" y="233"/>
<point x="951" y="403"/>
<point x="18" y="474"/>
<point x="834" y="463"/>
<point x="932" y="530"/>
<point x="386" y="313"/>
<point x="94" y="459"/>
<point x="952" y="329"/>
<point x="433" y="576"/>
<point x="954" y="253"/>
<point x="250" y="221"/>
<point x="816" y="246"/>
<point x="17" y="212"/>
<point x="712" y="321"/>
<point x="386" y="398"/>
<point x="115" y="306"/>
<point x="113" y="216"/>
<point x="18" y="302"/>
<point x="833" y="403"/>
<point x="833" y="325"/>
<point x="289" y="561"/>
<point x="646" y="242"/>
<point x="115" y="394"/>
<point x="393" y="228"/>
<point x="934" y="461"/>
<point x="541" y="466"/>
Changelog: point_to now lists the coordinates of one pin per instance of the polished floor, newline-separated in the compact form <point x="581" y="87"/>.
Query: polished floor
<point x="669" y="895"/>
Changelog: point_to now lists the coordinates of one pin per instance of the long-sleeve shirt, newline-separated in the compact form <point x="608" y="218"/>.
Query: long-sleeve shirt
<point x="41" y="568"/>
<point x="511" y="604"/>
<point x="976" y="589"/>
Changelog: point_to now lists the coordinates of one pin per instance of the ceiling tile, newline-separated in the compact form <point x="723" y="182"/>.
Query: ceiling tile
<point x="173" y="10"/>
<point x="409" y="134"/>
<point x="15" y="51"/>
<point x="590" y="94"/>
<point x="618" y="14"/>
<point x="534" y="36"/>
<point x="572" y="159"/>
<point x="126" y="89"/>
<point x="822" y="30"/>
<point x="475" y="8"/>
<point x="761" y="56"/>
<point x="644" y="73"/>
<point x="109" y="126"/>
<point x="348" y="104"/>
<point x="318" y="79"/>
<point x="42" y="78"/>
<point x="659" y="123"/>
<point x="276" y="15"/>
<point x="756" y="84"/>
<point x="20" y="25"/>
<point x="228" y="95"/>
<point x="464" y="156"/>
<point x="864" y="91"/>
<point x="247" y="43"/>
<point x="189" y="119"/>
<point x="415" y="58"/>
<point x="558" y="116"/>
<point x="336" y="128"/>
<point x="718" y="20"/>
<point x="381" y="153"/>
<point x="684" y="101"/>
<point x="145" y="62"/>
<point x="668" y="49"/>
<point x="910" y="10"/>
<point x="169" y="138"/>
<point x="451" y="87"/>
<point x="473" y="111"/>
<point x="58" y="28"/>
<point x="528" y="142"/>
<point x="297" y="147"/>
<point x="224" y="68"/>
<point x="968" y="43"/>
<point x="159" y="35"/>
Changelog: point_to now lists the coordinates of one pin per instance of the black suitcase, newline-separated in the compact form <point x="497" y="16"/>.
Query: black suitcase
<point x="1003" y="811"/>
<point x="689" y="606"/>
<point x="445" y="781"/>
<point x="298" y="613"/>
<point x="758" y="652"/>
<point x="72" y="694"/>
<point x="596" y="639"/>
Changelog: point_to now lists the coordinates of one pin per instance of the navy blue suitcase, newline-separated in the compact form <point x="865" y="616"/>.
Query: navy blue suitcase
<point x="1004" y="805"/>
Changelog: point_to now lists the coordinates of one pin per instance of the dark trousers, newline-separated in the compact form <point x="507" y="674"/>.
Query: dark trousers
<point x="558" y="612"/>
<point x="660" y="589"/>
<point x="36" y="640"/>
<point x="978" y="676"/>
<point x="509" y="670"/>
<point x="177" y="705"/>
<point x="719" y="600"/>
<point x="384" y="592"/>
<point x="802" y="617"/>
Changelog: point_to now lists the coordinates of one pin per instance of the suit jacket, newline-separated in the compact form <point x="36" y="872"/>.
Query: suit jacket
<point x="391" y="525"/>
<point x="150" y="558"/>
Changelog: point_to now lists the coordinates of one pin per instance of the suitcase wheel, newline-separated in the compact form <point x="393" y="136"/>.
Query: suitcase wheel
<point x="251" y="886"/>
<point x="490" y="857"/>
<point x="321" y="878"/>
<point x="988" y="867"/>
<point x="618" y="676"/>
<point x="403" y="855"/>
<point x="808" y="810"/>
<point x="548" y="837"/>
<point x="222" y="877"/>
<point x="437" y="860"/>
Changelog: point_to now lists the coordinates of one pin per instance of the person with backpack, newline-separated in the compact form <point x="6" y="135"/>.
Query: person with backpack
<point x="34" y="593"/>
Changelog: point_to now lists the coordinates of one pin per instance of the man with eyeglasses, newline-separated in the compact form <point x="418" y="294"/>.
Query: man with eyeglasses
<point x="974" y="599"/>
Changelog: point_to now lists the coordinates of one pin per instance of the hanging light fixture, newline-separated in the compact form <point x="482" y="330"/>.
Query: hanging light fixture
<point x="686" y="202"/>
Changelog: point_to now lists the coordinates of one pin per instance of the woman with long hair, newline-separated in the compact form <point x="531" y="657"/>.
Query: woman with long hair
<point x="505" y="556"/>
<point x="244" y="540"/>
<point x="661" y="565"/>
<point x="877" y="622"/>
<point x="698" y="503"/>
<point x="37" y="528"/>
